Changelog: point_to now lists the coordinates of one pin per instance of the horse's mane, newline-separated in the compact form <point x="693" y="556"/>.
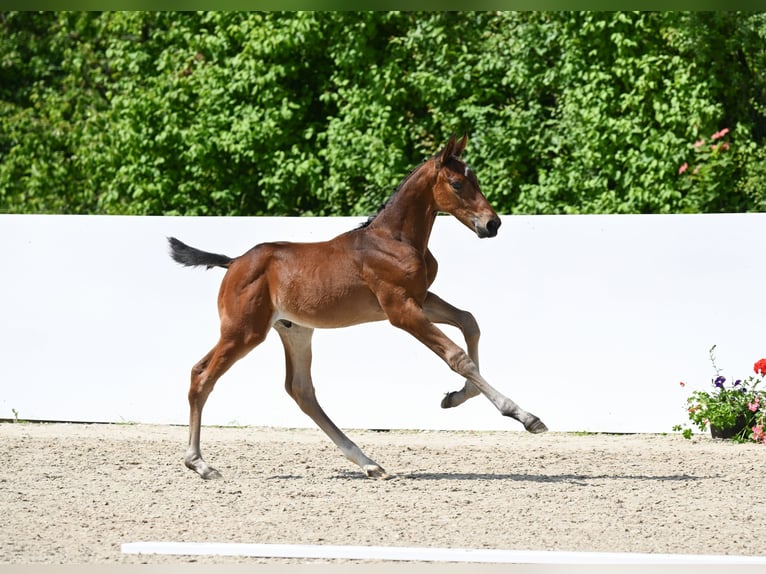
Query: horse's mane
<point x="383" y="205"/>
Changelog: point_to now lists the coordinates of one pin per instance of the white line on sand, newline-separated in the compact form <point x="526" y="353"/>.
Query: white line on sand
<point x="426" y="554"/>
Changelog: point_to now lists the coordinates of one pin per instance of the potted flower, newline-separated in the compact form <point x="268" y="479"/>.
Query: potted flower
<point x="732" y="409"/>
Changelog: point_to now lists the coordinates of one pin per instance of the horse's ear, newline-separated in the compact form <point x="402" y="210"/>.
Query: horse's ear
<point x="448" y="151"/>
<point x="460" y="146"/>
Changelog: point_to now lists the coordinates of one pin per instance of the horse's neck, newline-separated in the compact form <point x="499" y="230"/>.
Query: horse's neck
<point x="410" y="213"/>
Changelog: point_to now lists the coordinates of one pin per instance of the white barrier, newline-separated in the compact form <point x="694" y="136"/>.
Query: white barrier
<point x="590" y="322"/>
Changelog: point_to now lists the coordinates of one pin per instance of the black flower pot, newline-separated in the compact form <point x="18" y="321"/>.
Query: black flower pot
<point x="729" y="432"/>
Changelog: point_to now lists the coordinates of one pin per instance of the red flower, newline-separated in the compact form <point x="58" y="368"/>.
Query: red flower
<point x="760" y="367"/>
<point x="719" y="134"/>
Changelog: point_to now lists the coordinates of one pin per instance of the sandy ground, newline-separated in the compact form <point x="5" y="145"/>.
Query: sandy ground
<point x="73" y="493"/>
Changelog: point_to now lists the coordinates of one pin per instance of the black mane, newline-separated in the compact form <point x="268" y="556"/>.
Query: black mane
<point x="383" y="205"/>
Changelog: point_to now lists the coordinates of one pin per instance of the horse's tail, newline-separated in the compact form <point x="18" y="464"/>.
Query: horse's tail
<point x="191" y="257"/>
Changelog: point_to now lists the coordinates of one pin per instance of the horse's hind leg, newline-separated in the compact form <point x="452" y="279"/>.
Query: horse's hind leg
<point x="439" y="311"/>
<point x="298" y="384"/>
<point x="204" y="375"/>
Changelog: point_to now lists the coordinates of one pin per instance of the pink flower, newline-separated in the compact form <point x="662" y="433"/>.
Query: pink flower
<point x="719" y="134"/>
<point x="758" y="434"/>
<point x="683" y="168"/>
<point x="754" y="406"/>
<point x="698" y="143"/>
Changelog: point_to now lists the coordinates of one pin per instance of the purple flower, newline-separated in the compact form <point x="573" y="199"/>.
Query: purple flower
<point x="719" y="381"/>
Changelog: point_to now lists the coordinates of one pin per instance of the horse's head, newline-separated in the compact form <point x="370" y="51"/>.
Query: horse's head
<point x="457" y="191"/>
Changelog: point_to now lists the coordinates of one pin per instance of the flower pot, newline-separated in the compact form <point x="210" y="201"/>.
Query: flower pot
<point x="729" y="432"/>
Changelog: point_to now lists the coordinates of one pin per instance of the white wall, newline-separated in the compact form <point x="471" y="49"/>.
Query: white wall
<point x="590" y="322"/>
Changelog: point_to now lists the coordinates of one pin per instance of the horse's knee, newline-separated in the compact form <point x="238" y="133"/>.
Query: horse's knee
<point x="462" y="364"/>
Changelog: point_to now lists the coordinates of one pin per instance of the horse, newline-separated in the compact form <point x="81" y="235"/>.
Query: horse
<point x="382" y="270"/>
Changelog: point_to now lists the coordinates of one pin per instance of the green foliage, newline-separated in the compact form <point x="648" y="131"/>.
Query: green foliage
<point x="323" y="113"/>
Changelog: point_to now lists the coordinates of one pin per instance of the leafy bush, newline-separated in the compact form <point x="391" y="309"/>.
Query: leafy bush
<point x="325" y="112"/>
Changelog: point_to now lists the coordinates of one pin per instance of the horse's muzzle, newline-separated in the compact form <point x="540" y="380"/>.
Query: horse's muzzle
<point x="488" y="229"/>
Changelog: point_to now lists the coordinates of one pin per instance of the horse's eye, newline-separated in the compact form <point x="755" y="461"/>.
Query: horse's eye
<point x="456" y="185"/>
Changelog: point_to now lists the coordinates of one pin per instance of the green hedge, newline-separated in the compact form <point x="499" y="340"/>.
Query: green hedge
<point x="323" y="113"/>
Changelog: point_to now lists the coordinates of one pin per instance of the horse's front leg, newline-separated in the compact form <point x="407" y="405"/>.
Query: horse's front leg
<point x="411" y="317"/>
<point x="439" y="311"/>
<point x="296" y="340"/>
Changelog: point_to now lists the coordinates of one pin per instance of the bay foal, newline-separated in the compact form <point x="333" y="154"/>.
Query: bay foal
<point x="382" y="270"/>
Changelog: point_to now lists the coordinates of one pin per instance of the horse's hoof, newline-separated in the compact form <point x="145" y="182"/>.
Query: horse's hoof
<point x="447" y="400"/>
<point x="211" y="474"/>
<point x="536" y="426"/>
<point x="200" y="467"/>
<point x="374" y="471"/>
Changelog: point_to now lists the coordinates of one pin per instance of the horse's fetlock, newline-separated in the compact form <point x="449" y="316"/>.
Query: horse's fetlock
<point x="510" y="409"/>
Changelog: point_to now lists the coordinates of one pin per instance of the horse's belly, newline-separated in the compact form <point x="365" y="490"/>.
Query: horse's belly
<point x="329" y="309"/>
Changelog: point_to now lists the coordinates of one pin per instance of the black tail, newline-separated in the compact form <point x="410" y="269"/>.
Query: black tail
<point x="191" y="257"/>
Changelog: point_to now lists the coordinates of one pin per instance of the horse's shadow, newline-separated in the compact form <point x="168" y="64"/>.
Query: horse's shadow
<point x="576" y="479"/>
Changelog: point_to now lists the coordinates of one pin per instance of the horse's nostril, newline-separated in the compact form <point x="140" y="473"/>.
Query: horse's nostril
<point x="492" y="226"/>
